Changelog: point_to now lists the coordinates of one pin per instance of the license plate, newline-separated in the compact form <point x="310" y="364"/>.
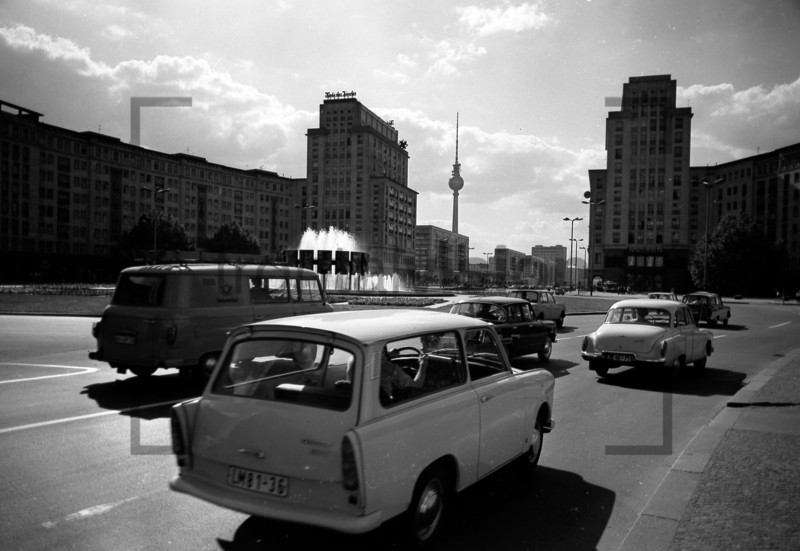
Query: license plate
<point x="258" y="482"/>
<point x="125" y="339"/>
<point x="618" y="357"/>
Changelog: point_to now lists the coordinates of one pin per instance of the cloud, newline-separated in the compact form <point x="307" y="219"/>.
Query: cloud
<point x="501" y="19"/>
<point x="229" y="122"/>
<point x="25" y="38"/>
<point x="730" y="124"/>
<point x="508" y="177"/>
<point x="446" y="57"/>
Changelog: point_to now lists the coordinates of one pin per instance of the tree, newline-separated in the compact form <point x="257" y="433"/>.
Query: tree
<point x="740" y="259"/>
<point x="232" y="238"/>
<point x="171" y="234"/>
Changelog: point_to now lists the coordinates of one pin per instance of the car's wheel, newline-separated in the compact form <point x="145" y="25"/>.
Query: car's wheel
<point x="677" y="366"/>
<point x="544" y="353"/>
<point x="560" y="320"/>
<point x="428" y="507"/>
<point x="701" y="363"/>
<point x="530" y="459"/>
<point x="725" y="322"/>
<point x="143" y="371"/>
<point x="599" y="368"/>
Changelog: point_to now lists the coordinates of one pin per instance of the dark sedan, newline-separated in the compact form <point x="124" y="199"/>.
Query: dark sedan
<point x="515" y="320"/>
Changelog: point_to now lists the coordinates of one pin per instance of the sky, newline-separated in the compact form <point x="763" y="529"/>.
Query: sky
<point x="528" y="81"/>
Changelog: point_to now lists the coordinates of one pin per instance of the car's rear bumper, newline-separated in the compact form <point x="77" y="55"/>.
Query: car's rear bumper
<point x="600" y="359"/>
<point x="287" y="512"/>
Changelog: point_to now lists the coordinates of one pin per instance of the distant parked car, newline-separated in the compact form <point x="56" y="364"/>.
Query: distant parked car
<point x="345" y="420"/>
<point x="708" y="307"/>
<point x="663" y="296"/>
<point x="515" y="321"/>
<point x="647" y="333"/>
<point x="544" y="304"/>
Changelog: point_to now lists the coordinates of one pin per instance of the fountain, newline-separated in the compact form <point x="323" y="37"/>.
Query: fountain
<point x="323" y="250"/>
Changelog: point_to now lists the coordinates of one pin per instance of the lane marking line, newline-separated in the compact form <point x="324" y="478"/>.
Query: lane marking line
<point x="83" y="371"/>
<point x="90" y="512"/>
<point x="780" y="325"/>
<point x="87" y="416"/>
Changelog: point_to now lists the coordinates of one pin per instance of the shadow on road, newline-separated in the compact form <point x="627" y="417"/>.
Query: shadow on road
<point x="133" y="396"/>
<point x="690" y="381"/>
<point x="558" y="368"/>
<point x="553" y="509"/>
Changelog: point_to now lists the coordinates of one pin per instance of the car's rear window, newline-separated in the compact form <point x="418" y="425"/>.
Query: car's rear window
<point x="281" y="370"/>
<point x="139" y="290"/>
<point x="640" y="314"/>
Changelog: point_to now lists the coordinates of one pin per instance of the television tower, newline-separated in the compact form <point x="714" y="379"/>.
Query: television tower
<point x="456" y="183"/>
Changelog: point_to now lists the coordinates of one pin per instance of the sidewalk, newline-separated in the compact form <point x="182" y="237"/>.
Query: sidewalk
<point x="737" y="483"/>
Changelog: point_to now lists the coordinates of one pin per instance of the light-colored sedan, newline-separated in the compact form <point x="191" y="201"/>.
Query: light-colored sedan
<point x="347" y="419"/>
<point x="544" y="304"/>
<point x="649" y="333"/>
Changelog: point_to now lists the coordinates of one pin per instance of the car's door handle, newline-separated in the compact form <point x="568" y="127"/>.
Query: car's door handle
<point x="485" y="398"/>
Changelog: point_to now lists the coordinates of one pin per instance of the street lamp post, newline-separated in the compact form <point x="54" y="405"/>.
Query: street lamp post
<point x="571" y="235"/>
<point x="585" y="271"/>
<point x="708" y="186"/>
<point x="159" y="188"/>
<point x="591" y="229"/>
<point x="575" y="279"/>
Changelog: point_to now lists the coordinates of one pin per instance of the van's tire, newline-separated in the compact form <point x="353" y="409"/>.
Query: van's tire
<point x="560" y="320"/>
<point x="207" y="364"/>
<point x="428" y="509"/>
<point x="140" y="371"/>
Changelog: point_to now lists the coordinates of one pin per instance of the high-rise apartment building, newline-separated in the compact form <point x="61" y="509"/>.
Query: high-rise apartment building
<point x="649" y="208"/>
<point x="66" y="197"/>
<point x="639" y="232"/>
<point x="357" y="181"/>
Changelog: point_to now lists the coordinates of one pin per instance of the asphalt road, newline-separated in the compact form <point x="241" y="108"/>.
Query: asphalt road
<point x="86" y="452"/>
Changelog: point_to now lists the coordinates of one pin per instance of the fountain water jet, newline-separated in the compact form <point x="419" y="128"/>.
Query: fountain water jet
<point x="334" y="239"/>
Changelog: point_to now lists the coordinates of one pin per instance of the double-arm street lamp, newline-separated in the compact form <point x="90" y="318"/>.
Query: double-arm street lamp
<point x="592" y="225"/>
<point x="571" y="235"/>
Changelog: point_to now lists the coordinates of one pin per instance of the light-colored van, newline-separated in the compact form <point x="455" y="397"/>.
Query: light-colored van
<point x="177" y="316"/>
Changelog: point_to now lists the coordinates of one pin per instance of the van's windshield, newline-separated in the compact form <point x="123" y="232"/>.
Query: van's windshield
<point x="139" y="290"/>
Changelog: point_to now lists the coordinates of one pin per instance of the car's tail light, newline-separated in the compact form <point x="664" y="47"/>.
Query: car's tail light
<point x="663" y="349"/>
<point x="349" y="466"/>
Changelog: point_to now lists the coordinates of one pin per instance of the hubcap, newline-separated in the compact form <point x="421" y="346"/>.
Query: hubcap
<point x="429" y="510"/>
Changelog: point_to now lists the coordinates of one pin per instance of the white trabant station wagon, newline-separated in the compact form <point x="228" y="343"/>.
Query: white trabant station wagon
<point x="345" y="420"/>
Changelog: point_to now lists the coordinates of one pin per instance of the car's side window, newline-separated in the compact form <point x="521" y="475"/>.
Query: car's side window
<point x="483" y="354"/>
<point x="515" y="313"/>
<point x="420" y="365"/>
<point x="527" y="312"/>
